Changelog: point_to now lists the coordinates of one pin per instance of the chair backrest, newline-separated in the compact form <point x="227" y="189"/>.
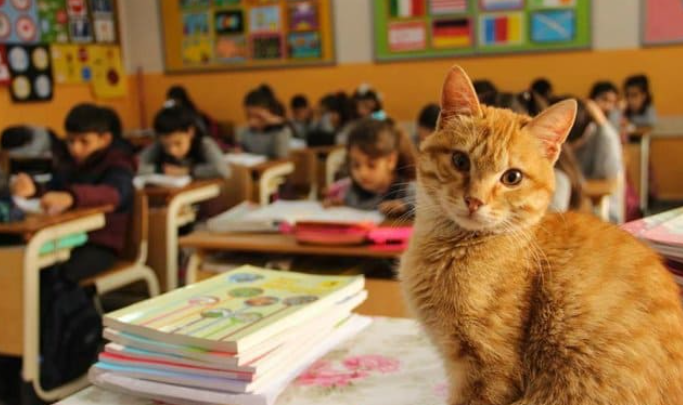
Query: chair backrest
<point x="138" y="228"/>
<point x="334" y="163"/>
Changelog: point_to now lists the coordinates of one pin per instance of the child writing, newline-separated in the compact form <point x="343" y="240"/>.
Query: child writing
<point x="92" y="174"/>
<point x="268" y="133"/>
<point x="639" y="108"/>
<point x="606" y="96"/>
<point x="301" y="116"/>
<point x="381" y="162"/>
<point x="180" y="150"/>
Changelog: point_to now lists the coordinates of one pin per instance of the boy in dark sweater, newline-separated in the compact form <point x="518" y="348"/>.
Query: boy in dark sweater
<point x="93" y="173"/>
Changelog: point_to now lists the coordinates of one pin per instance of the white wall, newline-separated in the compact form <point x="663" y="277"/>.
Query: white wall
<point x="616" y="25"/>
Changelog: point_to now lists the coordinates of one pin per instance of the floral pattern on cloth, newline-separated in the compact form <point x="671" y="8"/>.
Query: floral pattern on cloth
<point x="391" y="362"/>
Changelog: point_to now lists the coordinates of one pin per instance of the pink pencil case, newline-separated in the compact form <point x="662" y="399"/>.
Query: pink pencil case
<point x="390" y="235"/>
<point x="327" y="233"/>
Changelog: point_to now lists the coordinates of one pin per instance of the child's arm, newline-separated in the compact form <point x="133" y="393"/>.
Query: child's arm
<point x="148" y="159"/>
<point x="115" y="189"/>
<point x="23" y="186"/>
<point x="215" y="166"/>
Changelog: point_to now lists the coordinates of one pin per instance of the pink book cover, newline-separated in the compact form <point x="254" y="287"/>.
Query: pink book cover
<point x="641" y="227"/>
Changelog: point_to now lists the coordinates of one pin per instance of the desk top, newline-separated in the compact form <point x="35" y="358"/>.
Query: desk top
<point x="390" y="362"/>
<point x="170" y="192"/>
<point x="599" y="188"/>
<point x="35" y="223"/>
<point x="280" y="243"/>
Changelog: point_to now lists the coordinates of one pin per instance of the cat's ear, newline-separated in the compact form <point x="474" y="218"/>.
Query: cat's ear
<point x="552" y="127"/>
<point x="458" y="97"/>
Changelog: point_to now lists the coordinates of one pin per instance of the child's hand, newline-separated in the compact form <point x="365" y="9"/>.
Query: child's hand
<point x="393" y="208"/>
<point x="270" y="118"/>
<point x="173" y="170"/>
<point x="333" y="202"/>
<point x="595" y="112"/>
<point x="23" y="186"/>
<point x="56" y="202"/>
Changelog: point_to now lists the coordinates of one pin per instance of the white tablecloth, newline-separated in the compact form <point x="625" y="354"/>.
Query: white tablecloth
<point x="390" y="362"/>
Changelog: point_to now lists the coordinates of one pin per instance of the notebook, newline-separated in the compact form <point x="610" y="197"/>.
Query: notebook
<point x="162" y="180"/>
<point x="245" y="159"/>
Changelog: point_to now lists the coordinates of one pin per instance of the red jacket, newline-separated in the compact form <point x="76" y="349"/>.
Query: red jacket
<point x="105" y="178"/>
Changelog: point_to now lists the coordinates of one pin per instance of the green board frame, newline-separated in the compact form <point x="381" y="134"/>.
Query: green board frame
<point x="582" y="38"/>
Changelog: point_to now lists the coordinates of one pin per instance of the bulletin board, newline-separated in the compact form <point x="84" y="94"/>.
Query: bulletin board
<point x="662" y="22"/>
<point x="417" y="29"/>
<point x="48" y="42"/>
<point x="205" y="35"/>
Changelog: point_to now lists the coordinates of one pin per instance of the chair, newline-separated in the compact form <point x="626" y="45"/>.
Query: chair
<point x="131" y="267"/>
<point x="333" y="164"/>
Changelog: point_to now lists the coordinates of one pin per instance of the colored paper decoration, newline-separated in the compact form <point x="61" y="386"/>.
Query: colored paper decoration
<point x="31" y="73"/>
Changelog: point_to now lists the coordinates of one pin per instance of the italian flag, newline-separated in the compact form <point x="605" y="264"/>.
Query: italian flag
<point x="406" y="8"/>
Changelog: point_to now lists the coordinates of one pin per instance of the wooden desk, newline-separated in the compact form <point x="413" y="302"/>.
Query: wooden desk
<point x="20" y="287"/>
<point x="643" y="137"/>
<point x="310" y="173"/>
<point x="256" y="183"/>
<point x="170" y="210"/>
<point x="598" y="192"/>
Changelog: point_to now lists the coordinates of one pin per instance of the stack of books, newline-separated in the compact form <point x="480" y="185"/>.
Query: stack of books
<point x="664" y="233"/>
<point x="236" y="339"/>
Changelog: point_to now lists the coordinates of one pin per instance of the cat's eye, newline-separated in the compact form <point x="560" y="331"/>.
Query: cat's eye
<point x="461" y="161"/>
<point x="512" y="177"/>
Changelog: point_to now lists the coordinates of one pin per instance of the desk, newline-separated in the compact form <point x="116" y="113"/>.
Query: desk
<point x="598" y="192"/>
<point x="384" y="299"/>
<point x="311" y="168"/>
<point x="257" y="183"/>
<point x="399" y="367"/>
<point x="643" y="137"/>
<point x="170" y="210"/>
<point x="20" y="286"/>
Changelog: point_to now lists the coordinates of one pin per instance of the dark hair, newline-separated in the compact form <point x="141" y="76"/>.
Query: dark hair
<point x="180" y="95"/>
<point x="642" y="83"/>
<point x="583" y="118"/>
<point x="172" y="119"/>
<point x="381" y="138"/>
<point x="542" y="87"/>
<point x="87" y="117"/>
<point x="115" y="125"/>
<point x="363" y="94"/>
<point x="429" y="116"/>
<point x="16" y="136"/>
<point x="338" y="103"/>
<point x="263" y="96"/>
<point x="602" y="87"/>
<point x="486" y="91"/>
<point x="510" y="101"/>
<point x="298" y="101"/>
<point x="569" y="166"/>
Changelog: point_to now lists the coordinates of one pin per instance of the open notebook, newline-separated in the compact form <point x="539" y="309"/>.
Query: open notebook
<point x="162" y="180"/>
<point x="250" y="217"/>
<point x="245" y="159"/>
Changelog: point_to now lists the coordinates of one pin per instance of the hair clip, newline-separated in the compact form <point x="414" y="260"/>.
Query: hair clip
<point x="379" y="115"/>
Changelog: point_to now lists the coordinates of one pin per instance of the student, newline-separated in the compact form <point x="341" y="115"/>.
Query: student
<point x="426" y="121"/>
<point x="268" y="133"/>
<point x="180" y="149"/>
<point x="597" y="147"/>
<point x="486" y="91"/>
<point x="178" y="95"/>
<point x="539" y="96"/>
<point x="606" y="96"/>
<point x="368" y="103"/>
<point x="332" y="125"/>
<point x="639" y="108"/>
<point x="381" y="162"/>
<point x="301" y="116"/>
<point x="27" y="141"/>
<point x="93" y="174"/>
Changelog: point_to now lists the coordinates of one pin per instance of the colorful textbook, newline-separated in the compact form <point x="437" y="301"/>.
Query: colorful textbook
<point x="234" y="312"/>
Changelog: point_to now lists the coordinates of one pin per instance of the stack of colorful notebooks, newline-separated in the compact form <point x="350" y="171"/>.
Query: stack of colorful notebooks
<point x="664" y="233"/>
<point x="236" y="339"/>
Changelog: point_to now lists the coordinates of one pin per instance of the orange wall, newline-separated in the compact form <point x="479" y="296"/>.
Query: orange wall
<point x="52" y="113"/>
<point x="406" y="86"/>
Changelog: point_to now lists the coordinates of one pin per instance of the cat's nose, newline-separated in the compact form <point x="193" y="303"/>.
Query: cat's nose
<point x="473" y="204"/>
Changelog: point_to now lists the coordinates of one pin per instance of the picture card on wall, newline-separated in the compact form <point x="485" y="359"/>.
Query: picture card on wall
<point x="553" y="26"/>
<point x="265" y="19"/>
<point x="105" y="30"/>
<point x="4" y="66"/>
<point x="54" y="21"/>
<point x="407" y="36"/>
<point x="439" y="7"/>
<point x="229" y="22"/>
<point x="19" y="21"/>
<point x="231" y="48"/>
<point x="71" y="63"/>
<point x="226" y="3"/>
<point x="501" y="29"/>
<point x="662" y="22"/>
<point x="452" y="33"/>
<point x="80" y="30"/>
<point x="102" y="6"/>
<point x="194" y="4"/>
<point x="303" y="16"/>
<point x="406" y="8"/>
<point x="108" y="78"/>
<point x="31" y="73"/>
<point x="266" y="47"/>
<point x="77" y="8"/>
<point x="552" y="3"/>
<point x="494" y="5"/>
<point x="304" y="45"/>
<point x="196" y="24"/>
<point x="197" y="51"/>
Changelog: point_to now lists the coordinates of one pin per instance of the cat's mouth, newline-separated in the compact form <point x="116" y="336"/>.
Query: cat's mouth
<point x="476" y="222"/>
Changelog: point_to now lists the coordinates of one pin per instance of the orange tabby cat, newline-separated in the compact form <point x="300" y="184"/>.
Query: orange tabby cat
<point x="529" y="308"/>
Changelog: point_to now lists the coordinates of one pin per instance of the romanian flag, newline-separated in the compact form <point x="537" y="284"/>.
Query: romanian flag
<point x="501" y="29"/>
<point x="406" y="8"/>
<point x="452" y="33"/>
